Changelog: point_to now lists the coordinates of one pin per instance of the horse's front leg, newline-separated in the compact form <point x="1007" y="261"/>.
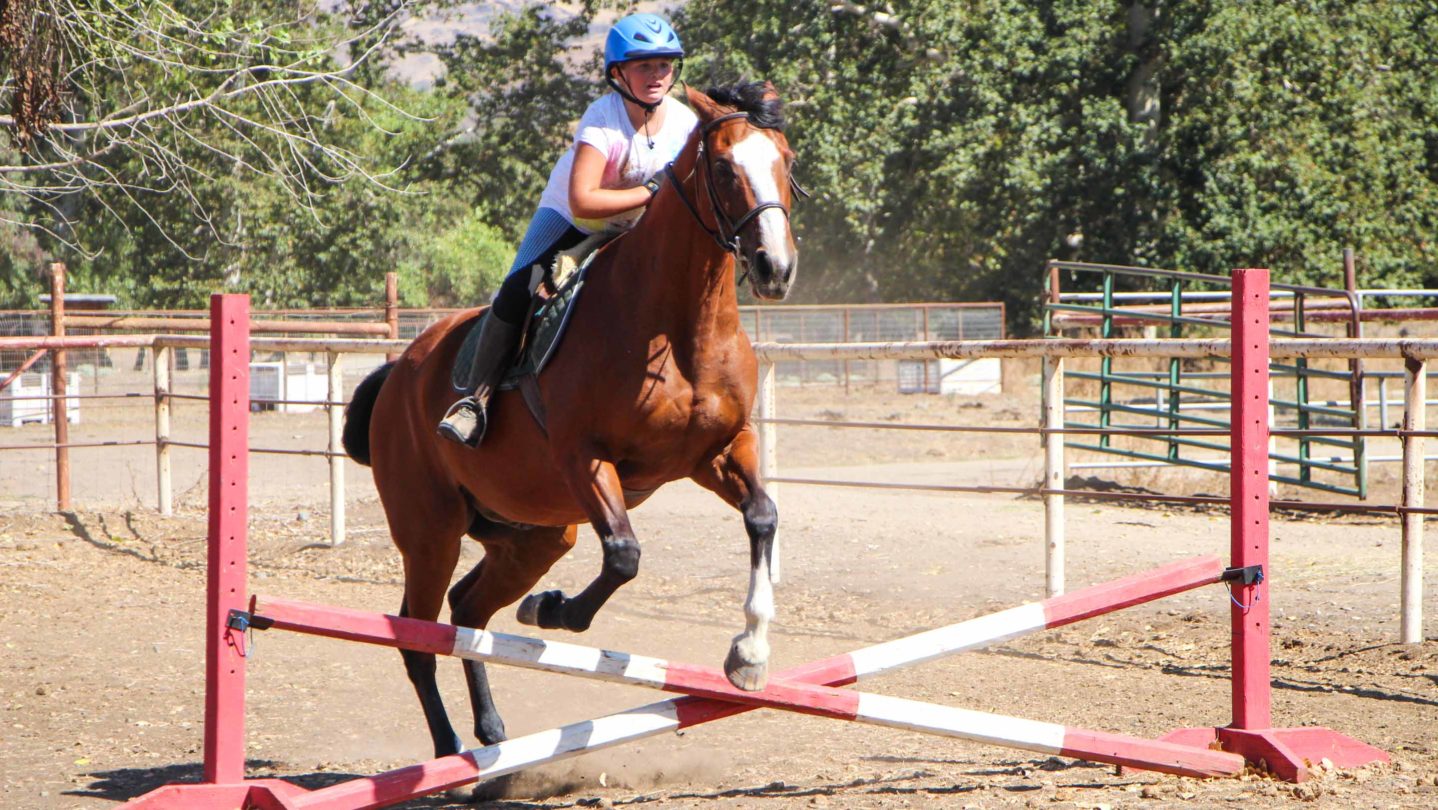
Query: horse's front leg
<point x="596" y="486"/>
<point x="734" y="476"/>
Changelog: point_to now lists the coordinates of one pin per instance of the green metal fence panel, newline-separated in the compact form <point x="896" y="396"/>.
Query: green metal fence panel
<point x="1114" y="301"/>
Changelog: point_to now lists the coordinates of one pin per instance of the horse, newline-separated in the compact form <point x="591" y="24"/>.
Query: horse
<point x="653" y="382"/>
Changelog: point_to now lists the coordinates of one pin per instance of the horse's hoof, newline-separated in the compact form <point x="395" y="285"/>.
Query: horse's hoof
<point x="533" y="606"/>
<point x="751" y="676"/>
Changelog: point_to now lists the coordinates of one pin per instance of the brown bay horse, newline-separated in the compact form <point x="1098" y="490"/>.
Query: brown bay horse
<point x="654" y="382"/>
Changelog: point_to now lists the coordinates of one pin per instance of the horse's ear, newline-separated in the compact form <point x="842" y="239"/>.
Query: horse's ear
<point x="770" y="93"/>
<point x="705" y="107"/>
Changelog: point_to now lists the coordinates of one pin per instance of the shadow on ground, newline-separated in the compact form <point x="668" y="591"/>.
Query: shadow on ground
<point x="124" y="784"/>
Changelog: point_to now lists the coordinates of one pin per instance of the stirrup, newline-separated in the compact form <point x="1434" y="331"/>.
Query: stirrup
<point x="464" y="422"/>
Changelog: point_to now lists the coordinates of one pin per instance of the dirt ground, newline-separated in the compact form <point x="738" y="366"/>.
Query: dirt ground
<point x="101" y="679"/>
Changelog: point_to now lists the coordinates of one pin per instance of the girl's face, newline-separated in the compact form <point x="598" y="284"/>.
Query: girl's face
<point x="648" y="79"/>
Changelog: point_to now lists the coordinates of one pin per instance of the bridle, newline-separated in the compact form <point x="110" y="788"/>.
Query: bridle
<point x="726" y="231"/>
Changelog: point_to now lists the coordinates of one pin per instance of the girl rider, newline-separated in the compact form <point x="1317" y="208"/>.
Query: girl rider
<point x="624" y="139"/>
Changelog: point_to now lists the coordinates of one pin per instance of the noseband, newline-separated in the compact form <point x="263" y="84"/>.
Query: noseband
<point x="726" y="230"/>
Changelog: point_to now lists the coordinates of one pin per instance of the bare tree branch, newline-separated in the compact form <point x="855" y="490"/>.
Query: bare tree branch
<point x="146" y="85"/>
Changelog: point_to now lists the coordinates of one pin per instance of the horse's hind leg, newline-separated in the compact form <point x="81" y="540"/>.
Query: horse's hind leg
<point x="734" y="476"/>
<point x="420" y="667"/>
<point x="427" y="533"/>
<point x="488" y="726"/>
<point x="514" y="560"/>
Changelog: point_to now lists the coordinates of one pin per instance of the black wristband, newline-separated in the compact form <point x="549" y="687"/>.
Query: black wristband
<point x="653" y="185"/>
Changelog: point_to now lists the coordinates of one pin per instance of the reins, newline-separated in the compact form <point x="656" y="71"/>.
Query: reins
<point x="726" y="231"/>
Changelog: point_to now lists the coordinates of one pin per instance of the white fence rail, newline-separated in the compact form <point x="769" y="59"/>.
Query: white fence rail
<point x="1415" y="353"/>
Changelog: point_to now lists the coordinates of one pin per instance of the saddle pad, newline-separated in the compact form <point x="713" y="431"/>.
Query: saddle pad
<point x="545" y="330"/>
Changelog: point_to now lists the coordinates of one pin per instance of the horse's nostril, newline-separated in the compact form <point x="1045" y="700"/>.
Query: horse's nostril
<point x="762" y="266"/>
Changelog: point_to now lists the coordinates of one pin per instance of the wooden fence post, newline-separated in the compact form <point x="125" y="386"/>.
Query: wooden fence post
<point x="391" y="310"/>
<point x="59" y="406"/>
<point x="1415" y="419"/>
<point x="162" y="360"/>
<point x="334" y="397"/>
<point x="768" y="451"/>
<point x="1054" y="474"/>
<point x="1055" y="470"/>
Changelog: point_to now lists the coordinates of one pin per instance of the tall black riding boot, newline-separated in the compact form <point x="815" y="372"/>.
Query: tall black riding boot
<point x="466" y="420"/>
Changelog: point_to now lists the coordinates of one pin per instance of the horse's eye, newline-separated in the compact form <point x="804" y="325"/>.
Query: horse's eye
<point x="724" y="170"/>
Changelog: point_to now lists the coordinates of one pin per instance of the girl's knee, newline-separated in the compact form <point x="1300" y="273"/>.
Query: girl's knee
<point x="512" y="302"/>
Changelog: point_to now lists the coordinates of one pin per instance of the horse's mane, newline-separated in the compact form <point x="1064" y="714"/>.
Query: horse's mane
<point x="756" y="98"/>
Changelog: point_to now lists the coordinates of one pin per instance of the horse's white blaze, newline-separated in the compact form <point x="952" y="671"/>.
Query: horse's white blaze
<point x="757" y="157"/>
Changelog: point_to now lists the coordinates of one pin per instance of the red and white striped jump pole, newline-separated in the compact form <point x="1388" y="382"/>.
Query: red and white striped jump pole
<point x="679" y="713"/>
<point x="803" y="696"/>
<point x="1286" y="751"/>
<point x="224" y="785"/>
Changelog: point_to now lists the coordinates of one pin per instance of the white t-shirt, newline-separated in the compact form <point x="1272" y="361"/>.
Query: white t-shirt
<point x="629" y="160"/>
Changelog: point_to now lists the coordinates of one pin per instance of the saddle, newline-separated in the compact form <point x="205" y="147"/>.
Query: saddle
<point x="555" y="290"/>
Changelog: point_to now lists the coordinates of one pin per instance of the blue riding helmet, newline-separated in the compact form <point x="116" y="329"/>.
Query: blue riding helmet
<point x="641" y="36"/>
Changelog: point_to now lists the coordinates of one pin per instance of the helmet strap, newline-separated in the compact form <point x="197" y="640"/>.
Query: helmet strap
<point x="628" y="96"/>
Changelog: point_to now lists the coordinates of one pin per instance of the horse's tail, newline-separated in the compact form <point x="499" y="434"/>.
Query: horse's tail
<point x="357" y="415"/>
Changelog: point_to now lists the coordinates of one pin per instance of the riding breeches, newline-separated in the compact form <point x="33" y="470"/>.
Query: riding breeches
<point x="548" y="233"/>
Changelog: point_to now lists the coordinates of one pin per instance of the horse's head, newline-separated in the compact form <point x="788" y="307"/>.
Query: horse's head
<point x="744" y="162"/>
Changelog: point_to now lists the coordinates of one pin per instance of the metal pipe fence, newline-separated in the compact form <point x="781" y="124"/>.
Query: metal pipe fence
<point x="166" y="390"/>
<point x="846" y="323"/>
<point x="1409" y="510"/>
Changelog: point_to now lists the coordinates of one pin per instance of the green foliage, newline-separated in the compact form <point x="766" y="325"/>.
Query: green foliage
<point x="1302" y="128"/>
<point x="335" y="252"/>
<point x="952" y="150"/>
<point x="526" y="88"/>
<point x="22" y="259"/>
<point x="465" y="263"/>
<point x="955" y="150"/>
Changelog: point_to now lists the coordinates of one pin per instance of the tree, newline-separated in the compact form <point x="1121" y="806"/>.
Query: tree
<point x="424" y="174"/>
<point x="1296" y="130"/>
<point x="955" y="146"/>
<point x="461" y="266"/>
<point x="145" y="107"/>
<point x="942" y="139"/>
<point x="334" y="254"/>
<point x="526" y="83"/>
